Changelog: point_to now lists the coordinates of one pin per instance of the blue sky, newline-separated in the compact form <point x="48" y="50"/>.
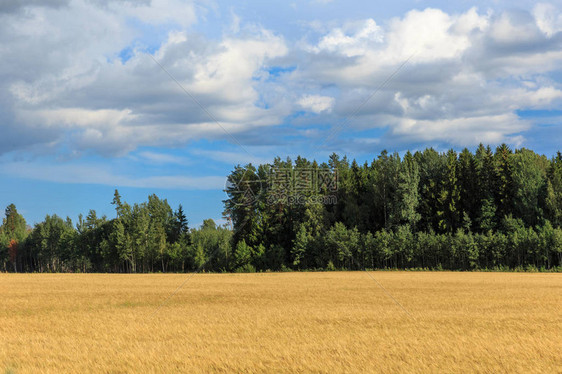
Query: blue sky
<point x="167" y="97"/>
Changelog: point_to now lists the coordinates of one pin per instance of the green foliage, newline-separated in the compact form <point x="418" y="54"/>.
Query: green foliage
<point x="330" y="266"/>
<point x="529" y="183"/>
<point x="429" y="210"/>
<point x="468" y="188"/>
<point x="448" y="199"/>
<point x="300" y="245"/>
<point x="242" y="254"/>
<point x="246" y="268"/>
<point x="210" y="244"/>
<point x="52" y="242"/>
<point x="406" y="199"/>
<point x="432" y="165"/>
<point x="342" y="245"/>
<point x="487" y="215"/>
<point x="13" y="233"/>
<point x="504" y="183"/>
<point x="553" y="199"/>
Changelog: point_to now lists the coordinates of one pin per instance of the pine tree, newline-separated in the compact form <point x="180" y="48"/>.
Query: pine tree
<point x="468" y="185"/>
<point x="179" y="229"/>
<point x="553" y="200"/>
<point x="529" y="184"/>
<point x="449" y="196"/>
<point x="503" y="181"/>
<point x="300" y="245"/>
<point x="246" y="191"/>
<point x="486" y="217"/>
<point x="431" y="166"/>
<point x="118" y="242"/>
<point x="14" y="232"/>
<point x="388" y="168"/>
<point x="406" y="198"/>
<point x="242" y="255"/>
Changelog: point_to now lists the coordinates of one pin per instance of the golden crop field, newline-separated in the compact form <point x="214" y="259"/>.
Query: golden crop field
<point x="281" y="322"/>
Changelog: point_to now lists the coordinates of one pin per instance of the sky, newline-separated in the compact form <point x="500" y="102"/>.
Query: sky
<point x="167" y="97"/>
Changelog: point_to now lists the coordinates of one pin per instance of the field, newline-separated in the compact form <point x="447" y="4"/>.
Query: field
<point x="281" y="322"/>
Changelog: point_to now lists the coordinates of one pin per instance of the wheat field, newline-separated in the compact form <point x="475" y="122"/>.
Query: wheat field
<point x="281" y="322"/>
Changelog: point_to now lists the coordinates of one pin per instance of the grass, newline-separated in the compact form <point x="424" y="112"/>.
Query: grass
<point x="281" y="322"/>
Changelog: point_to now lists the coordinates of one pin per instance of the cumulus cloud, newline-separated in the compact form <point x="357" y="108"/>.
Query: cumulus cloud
<point x="548" y="18"/>
<point x="317" y="103"/>
<point x="81" y="75"/>
<point x="473" y="130"/>
<point x="353" y="39"/>
<point x="464" y="78"/>
<point x="100" y="175"/>
<point x="67" y="77"/>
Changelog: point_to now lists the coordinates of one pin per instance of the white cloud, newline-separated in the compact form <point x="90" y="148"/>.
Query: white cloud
<point x="431" y="35"/>
<point x="154" y="12"/>
<point x="66" y="87"/>
<point x="79" y="117"/>
<point x="515" y="29"/>
<point x="460" y="131"/>
<point x="101" y="103"/>
<point x="548" y="19"/>
<point x="162" y="158"/>
<point x="317" y="103"/>
<point x="235" y="23"/>
<point x="228" y="73"/>
<point x="466" y="76"/>
<point x="353" y="39"/>
<point x="233" y="157"/>
<point x="100" y="175"/>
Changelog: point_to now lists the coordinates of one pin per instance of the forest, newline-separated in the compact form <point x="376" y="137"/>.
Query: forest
<point x="484" y="210"/>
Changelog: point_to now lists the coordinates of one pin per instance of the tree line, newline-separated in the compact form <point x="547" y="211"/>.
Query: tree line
<point x="488" y="209"/>
<point x="146" y="237"/>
